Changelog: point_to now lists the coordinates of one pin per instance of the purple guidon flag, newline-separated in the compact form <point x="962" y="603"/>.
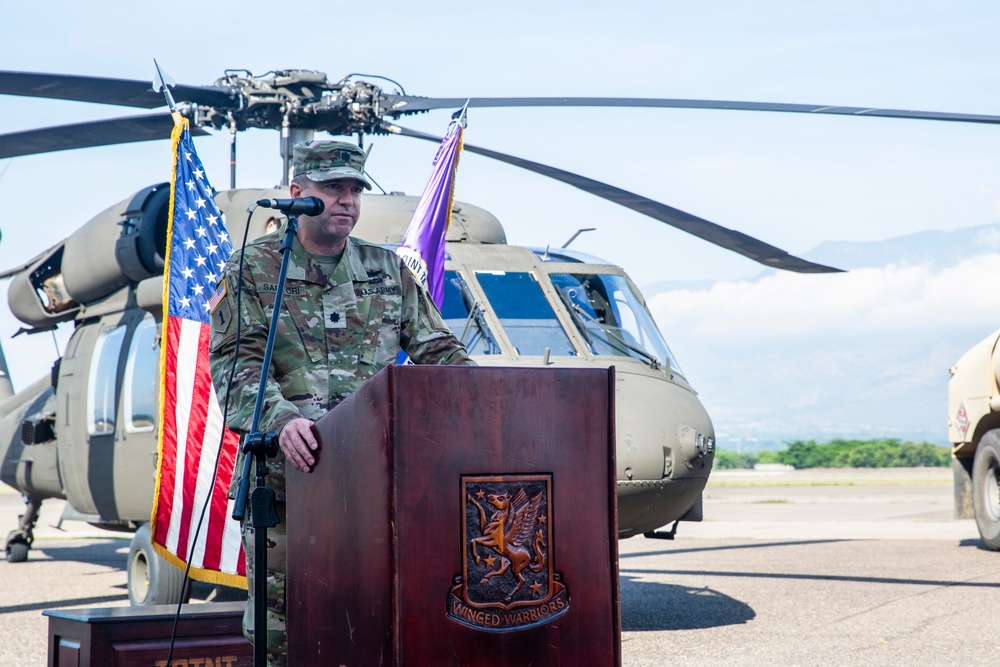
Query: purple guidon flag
<point x="422" y="249"/>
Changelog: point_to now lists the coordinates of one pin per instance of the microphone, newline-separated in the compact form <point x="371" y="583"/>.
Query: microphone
<point x="301" y="206"/>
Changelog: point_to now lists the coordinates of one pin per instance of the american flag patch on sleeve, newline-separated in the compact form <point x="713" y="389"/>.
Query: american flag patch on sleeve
<point x="217" y="298"/>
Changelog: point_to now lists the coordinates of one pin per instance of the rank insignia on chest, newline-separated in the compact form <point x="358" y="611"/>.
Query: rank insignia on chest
<point x="336" y="320"/>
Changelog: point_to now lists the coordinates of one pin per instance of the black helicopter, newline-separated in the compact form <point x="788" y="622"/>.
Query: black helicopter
<point x="86" y="433"/>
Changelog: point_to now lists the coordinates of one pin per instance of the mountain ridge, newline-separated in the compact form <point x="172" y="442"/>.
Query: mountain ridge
<point x="789" y="375"/>
<point x="930" y="248"/>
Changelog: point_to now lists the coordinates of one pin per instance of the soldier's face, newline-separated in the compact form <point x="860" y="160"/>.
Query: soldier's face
<point x="342" y="206"/>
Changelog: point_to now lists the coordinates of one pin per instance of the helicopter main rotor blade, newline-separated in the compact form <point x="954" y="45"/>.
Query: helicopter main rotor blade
<point x="85" y="135"/>
<point x="101" y="90"/>
<point x="723" y="237"/>
<point x="401" y="105"/>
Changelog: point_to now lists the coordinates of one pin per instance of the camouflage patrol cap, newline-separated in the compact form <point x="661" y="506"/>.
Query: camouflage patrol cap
<point x="325" y="160"/>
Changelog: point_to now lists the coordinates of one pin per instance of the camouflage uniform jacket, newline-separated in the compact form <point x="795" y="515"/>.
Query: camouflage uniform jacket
<point x="334" y="332"/>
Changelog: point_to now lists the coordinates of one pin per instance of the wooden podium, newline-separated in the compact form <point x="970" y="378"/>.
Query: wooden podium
<point x="459" y="516"/>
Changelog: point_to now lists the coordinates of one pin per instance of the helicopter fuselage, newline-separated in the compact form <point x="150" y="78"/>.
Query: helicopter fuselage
<point x="512" y="306"/>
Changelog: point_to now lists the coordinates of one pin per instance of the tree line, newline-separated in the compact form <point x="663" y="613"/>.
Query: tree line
<point x="887" y="453"/>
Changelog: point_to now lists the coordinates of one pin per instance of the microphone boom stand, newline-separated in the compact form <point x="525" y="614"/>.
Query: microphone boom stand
<point x="261" y="446"/>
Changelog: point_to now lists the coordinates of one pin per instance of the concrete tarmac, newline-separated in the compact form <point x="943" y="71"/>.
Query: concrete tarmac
<point x="815" y="568"/>
<point x="804" y="568"/>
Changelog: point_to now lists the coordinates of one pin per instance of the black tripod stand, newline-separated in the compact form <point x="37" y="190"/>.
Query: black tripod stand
<point x="260" y="446"/>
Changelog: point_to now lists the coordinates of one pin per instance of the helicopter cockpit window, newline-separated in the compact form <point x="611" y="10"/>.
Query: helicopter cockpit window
<point x="525" y="314"/>
<point x="612" y="318"/>
<point x="141" y="375"/>
<point x="101" y="405"/>
<point x="465" y="317"/>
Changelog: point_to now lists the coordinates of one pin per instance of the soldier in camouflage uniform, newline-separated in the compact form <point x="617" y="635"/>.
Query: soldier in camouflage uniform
<point x="348" y="308"/>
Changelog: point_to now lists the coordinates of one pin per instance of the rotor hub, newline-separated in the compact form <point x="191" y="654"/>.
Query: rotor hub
<point x="302" y="99"/>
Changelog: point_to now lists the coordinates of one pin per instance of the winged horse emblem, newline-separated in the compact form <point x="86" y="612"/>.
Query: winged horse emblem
<point x="512" y="526"/>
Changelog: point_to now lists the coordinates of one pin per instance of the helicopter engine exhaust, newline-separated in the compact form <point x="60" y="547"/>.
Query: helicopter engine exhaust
<point x="123" y="245"/>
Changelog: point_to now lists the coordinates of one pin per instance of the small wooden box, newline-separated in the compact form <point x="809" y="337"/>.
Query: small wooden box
<point x="208" y="635"/>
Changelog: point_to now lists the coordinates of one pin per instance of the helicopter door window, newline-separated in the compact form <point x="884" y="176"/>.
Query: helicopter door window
<point x="141" y="375"/>
<point x="464" y="316"/>
<point x="101" y="404"/>
<point x="615" y="320"/>
<point x="525" y="314"/>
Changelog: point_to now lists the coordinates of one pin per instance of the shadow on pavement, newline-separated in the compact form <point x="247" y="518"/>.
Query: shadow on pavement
<point x="727" y="547"/>
<point x="957" y="582"/>
<point x="216" y="593"/>
<point x="648" y="606"/>
<point x="112" y="553"/>
<point x="974" y="542"/>
<point x="62" y="604"/>
<point x="109" y="552"/>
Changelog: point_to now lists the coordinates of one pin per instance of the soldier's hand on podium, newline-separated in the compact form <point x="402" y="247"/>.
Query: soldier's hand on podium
<point x="298" y="443"/>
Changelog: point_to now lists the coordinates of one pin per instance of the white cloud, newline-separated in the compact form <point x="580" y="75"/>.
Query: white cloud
<point x="989" y="237"/>
<point x="903" y="298"/>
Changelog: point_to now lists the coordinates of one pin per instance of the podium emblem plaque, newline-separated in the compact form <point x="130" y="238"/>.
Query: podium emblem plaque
<point x="508" y="580"/>
<point x="459" y="516"/>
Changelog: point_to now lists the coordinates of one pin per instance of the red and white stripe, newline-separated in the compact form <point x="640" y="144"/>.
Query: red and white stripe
<point x="192" y="429"/>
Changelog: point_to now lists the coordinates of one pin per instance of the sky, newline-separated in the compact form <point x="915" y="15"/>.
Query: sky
<point x="792" y="180"/>
<point x="859" y="355"/>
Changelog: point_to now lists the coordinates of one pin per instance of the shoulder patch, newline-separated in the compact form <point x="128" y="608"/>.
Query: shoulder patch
<point x="217" y="298"/>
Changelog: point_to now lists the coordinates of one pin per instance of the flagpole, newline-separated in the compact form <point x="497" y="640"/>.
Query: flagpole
<point x="161" y="84"/>
<point x="184" y="314"/>
<point x="462" y="115"/>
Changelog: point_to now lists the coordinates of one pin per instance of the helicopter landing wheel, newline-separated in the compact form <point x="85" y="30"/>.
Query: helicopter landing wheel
<point x="151" y="579"/>
<point x="17" y="551"/>
<point x="986" y="489"/>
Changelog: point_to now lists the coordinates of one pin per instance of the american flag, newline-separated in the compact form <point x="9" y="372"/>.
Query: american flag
<point x="191" y="469"/>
